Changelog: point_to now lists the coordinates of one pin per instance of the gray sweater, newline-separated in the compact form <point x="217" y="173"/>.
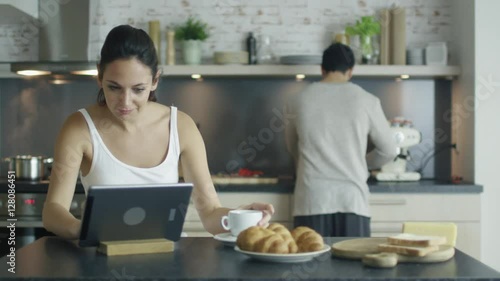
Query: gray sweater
<point x="327" y="133"/>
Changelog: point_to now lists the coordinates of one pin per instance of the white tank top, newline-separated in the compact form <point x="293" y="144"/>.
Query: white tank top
<point x="107" y="170"/>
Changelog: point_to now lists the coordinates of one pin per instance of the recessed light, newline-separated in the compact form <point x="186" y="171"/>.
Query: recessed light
<point x="33" y="72"/>
<point x="90" y="72"/>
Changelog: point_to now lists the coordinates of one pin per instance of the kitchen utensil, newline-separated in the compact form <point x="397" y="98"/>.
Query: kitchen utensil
<point x="29" y="167"/>
<point x="360" y="248"/>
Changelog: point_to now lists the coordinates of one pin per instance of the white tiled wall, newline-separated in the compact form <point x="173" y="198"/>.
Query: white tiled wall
<point x="295" y="26"/>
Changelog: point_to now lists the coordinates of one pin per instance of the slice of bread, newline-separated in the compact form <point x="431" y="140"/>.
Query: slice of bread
<point x="408" y="239"/>
<point x="407" y="250"/>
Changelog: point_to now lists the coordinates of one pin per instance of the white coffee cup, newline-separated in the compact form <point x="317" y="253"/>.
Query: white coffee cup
<point x="238" y="220"/>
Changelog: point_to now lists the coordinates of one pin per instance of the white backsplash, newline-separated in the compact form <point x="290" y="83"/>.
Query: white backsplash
<point x="295" y="26"/>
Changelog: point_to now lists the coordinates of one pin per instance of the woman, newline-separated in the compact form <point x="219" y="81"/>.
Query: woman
<point x="128" y="138"/>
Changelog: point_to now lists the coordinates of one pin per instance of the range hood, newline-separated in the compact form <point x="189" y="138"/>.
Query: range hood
<point x="63" y="40"/>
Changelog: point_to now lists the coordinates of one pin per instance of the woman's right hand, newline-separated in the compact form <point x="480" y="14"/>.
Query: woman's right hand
<point x="267" y="211"/>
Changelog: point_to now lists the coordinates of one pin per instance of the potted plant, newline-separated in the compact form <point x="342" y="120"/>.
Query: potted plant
<point x="191" y="34"/>
<point x="365" y="28"/>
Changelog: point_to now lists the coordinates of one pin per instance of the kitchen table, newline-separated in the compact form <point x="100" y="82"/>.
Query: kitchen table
<point x="52" y="258"/>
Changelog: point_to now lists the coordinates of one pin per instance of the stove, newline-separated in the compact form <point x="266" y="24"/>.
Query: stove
<point x="29" y="201"/>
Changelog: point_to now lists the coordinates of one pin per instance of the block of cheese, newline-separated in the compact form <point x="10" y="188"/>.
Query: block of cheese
<point x="447" y="229"/>
<point x="409" y="239"/>
<point x="407" y="250"/>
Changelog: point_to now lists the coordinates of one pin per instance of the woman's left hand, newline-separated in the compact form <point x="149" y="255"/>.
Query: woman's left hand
<point x="267" y="211"/>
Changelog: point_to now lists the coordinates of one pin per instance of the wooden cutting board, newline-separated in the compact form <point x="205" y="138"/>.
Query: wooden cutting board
<point x="359" y="248"/>
<point x="243" y="180"/>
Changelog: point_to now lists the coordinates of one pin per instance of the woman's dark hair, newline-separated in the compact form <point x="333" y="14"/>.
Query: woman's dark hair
<point x="125" y="42"/>
<point x="337" y="57"/>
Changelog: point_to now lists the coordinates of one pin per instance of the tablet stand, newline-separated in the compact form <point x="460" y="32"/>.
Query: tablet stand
<point x="133" y="247"/>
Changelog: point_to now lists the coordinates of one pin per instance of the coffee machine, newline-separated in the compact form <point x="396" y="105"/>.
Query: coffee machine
<point x="405" y="136"/>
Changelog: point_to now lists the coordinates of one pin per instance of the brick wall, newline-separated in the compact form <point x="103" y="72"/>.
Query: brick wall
<point x="295" y="26"/>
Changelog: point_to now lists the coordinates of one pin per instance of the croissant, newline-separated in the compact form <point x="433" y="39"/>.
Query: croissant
<point x="307" y="239"/>
<point x="259" y="239"/>
<point x="286" y="235"/>
<point x="277" y="239"/>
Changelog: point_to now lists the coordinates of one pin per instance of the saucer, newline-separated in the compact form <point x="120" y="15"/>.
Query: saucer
<point x="226" y="238"/>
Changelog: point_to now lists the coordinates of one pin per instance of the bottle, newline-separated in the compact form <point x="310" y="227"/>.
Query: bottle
<point x="341" y="38"/>
<point x="170" y="47"/>
<point x="265" y="55"/>
<point x="252" y="49"/>
<point x="154" y="33"/>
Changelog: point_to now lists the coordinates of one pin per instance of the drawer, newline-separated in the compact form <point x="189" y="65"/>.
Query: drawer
<point x="428" y="207"/>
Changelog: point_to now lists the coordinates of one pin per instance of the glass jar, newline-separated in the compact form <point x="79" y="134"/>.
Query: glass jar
<point x="265" y="54"/>
<point x="355" y="44"/>
<point x="366" y="49"/>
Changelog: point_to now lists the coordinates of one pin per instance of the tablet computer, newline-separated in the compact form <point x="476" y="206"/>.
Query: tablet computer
<point x="131" y="212"/>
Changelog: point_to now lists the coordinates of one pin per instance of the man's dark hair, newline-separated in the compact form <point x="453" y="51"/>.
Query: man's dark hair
<point x="337" y="57"/>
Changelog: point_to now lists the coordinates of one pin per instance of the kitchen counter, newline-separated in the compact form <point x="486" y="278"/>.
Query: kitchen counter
<point x="52" y="258"/>
<point x="286" y="186"/>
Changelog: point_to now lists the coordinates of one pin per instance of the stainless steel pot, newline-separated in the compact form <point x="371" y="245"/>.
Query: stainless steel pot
<point x="29" y="167"/>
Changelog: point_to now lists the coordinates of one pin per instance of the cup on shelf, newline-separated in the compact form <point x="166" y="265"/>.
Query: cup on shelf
<point x="415" y="56"/>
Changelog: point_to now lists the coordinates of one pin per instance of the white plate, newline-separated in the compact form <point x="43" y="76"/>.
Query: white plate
<point x="284" y="258"/>
<point x="226" y="238"/>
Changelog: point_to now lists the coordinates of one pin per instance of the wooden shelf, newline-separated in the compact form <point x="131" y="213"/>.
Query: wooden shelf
<point x="375" y="71"/>
<point x="367" y="71"/>
<point x="6" y="73"/>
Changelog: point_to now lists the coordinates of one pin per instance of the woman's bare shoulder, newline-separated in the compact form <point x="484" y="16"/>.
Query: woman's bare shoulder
<point x="75" y="125"/>
<point x="184" y="120"/>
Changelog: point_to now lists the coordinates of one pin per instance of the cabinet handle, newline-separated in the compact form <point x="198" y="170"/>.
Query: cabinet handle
<point x="388" y="202"/>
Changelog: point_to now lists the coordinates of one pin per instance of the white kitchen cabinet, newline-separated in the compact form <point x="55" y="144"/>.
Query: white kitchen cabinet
<point x="389" y="211"/>
<point x="280" y="201"/>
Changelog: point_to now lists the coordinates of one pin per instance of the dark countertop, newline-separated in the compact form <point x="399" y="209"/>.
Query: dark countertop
<point x="52" y="258"/>
<point x="286" y="186"/>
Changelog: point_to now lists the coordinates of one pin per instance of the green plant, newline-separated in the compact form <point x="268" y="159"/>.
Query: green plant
<point x="192" y="29"/>
<point x="368" y="26"/>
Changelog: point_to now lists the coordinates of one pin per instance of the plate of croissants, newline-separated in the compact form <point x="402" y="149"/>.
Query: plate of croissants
<point x="277" y="244"/>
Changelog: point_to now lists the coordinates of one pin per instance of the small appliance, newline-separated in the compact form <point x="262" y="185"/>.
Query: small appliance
<point x="405" y="136"/>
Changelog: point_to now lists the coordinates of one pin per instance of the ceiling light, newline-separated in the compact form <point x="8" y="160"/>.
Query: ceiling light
<point x="195" y="76"/>
<point x="405" y="76"/>
<point x="300" y="77"/>
<point x="33" y="72"/>
<point x="90" y="72"/>
<point x="59" y="81"/>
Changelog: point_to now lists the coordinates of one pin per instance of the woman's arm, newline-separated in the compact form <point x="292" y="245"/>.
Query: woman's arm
<point x="73" y="139"/>
<point x="195" y="170"/>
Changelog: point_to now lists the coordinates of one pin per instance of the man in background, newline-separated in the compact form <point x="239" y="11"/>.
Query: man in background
<point x="334" y="122"/>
